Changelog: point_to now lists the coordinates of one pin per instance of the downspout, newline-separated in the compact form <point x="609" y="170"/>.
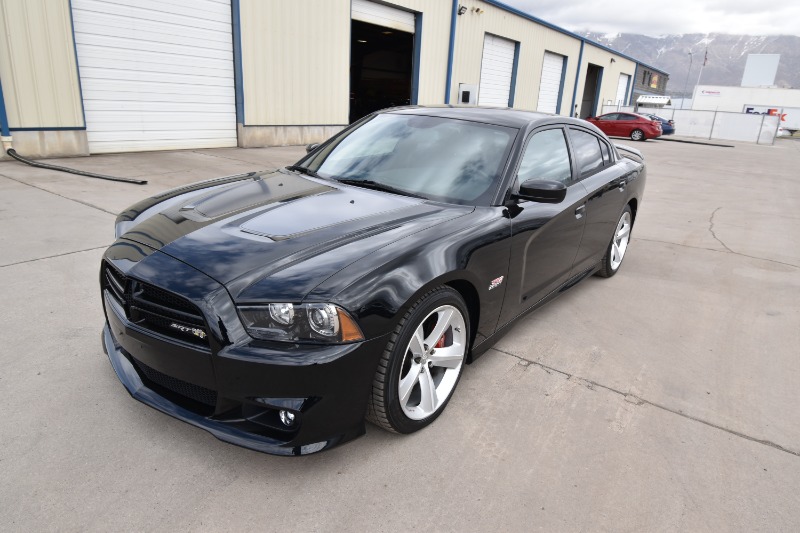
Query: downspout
<point x="450" y="52"/>
<point x="577" y="77"/>
<point x="633" y="85"/>
<point x="4" y="129"/>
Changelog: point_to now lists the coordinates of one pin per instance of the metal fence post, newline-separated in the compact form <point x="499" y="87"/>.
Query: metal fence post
<point x="713" y="122"/>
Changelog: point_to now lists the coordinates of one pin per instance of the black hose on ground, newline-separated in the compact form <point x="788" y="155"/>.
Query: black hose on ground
<point x="13" y="153"/>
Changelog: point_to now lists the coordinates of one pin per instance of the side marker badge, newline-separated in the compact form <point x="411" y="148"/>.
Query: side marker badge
<point x="496" y="282"/>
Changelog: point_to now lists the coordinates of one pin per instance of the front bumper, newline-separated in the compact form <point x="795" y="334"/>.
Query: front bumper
<point x="235" y="386"/>
<point x="248" y="417"/>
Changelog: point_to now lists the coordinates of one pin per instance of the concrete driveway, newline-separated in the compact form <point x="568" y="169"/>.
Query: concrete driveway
<point x="663" y="399"/>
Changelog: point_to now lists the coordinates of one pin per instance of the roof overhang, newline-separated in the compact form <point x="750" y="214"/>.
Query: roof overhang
<point x="654" y="100"/>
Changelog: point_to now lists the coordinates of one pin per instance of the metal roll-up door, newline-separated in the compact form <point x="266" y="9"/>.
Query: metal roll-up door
<point x="381" y="15"/>
<point x="156" y="74"/>
<point x="622" y="89"/>
<point x="497" y="67"/>
<point x="550" y="83"/>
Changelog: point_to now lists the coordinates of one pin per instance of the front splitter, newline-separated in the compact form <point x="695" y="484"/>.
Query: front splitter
<point x="224" y="432"/>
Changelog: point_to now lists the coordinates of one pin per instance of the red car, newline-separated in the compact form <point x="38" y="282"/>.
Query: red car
<point x="637" y="127"/>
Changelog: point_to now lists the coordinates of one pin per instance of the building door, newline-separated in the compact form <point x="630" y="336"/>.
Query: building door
<point x="156" y="76"/>
<point x="497" y="70"/>
<point x="550" y="85"/>
<point x="381" y="57"/>
<point x="622" y="89"/>
<point x="591" y="88"/>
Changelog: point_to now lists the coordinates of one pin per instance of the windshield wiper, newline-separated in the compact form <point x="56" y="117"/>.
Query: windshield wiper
<point x="374" y="185"/>
<point x="304" y="170"/>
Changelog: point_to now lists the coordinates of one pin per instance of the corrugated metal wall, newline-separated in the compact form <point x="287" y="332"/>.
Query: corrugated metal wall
<point x="295" y="62"/>
<point x="37" y="64"/>
<point x="296" y="59"/>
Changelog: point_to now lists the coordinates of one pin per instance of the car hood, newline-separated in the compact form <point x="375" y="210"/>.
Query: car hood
<point x="277" y="236"/>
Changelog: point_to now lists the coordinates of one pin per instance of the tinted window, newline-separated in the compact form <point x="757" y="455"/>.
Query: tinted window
<point x="610" y="116"/>
<point x="546" y="158"/>
<point x="449" y="160"/>
<point x="587" y="151"/>
<point x="623" y="116"/>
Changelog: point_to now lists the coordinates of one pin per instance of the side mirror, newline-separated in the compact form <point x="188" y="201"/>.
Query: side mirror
<point x="311" y="147"/>
<point x="543" y="191"/>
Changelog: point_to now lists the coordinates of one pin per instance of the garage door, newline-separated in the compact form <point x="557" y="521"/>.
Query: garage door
<point x="622" y="89"/>
<point x="156" y="74"/>
<point x="497" y="67"/>
<point x="550" y="84"/>
<point x="381" y="15"/>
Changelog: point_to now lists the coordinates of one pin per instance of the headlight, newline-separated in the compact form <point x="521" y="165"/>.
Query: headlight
<point x="315" y="322"/>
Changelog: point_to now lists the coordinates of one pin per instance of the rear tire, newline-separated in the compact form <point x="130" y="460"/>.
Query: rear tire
<point x="638" y="135"/>
<point x="417" y="373"/>
<point x="615" y="252"/>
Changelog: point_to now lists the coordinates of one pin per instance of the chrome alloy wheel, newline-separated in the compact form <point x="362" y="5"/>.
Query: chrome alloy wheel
<point x="432" y="362"/>
<point x="637" y="135"/>
<point x="621" y="238"/>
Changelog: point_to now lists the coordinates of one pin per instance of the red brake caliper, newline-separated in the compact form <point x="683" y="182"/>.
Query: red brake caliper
<point x="440" y="342"/>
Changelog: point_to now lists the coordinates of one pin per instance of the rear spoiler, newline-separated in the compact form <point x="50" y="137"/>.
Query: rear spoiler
<point x="630" y="153"/>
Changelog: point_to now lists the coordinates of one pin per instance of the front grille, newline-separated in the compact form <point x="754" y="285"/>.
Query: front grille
<point x="182" y="388"/>
<point x="156" y="309"/>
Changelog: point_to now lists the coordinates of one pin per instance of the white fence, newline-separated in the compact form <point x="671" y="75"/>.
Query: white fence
<point x="711" y="125"/>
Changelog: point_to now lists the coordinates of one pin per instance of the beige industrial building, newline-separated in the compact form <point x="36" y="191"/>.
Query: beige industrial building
<point x="96" y="76"/>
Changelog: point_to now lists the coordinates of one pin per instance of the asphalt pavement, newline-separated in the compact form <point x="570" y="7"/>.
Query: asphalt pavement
<point x="663" y="399"/>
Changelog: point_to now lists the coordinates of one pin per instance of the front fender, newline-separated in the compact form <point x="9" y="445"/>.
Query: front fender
<point x="380" y="288"/>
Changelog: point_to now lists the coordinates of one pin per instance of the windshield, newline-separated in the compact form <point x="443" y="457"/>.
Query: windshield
<point x="441" y="159"/>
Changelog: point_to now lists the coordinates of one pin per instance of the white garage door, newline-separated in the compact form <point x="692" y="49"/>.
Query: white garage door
<point x="497" y="67"/>
<point x="156" y="74"/>
<point x="388" y="17"/>
<point x="622" y="89"/>
<point x="550" y="83"/>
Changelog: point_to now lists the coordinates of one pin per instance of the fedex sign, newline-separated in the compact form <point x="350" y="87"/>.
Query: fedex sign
<point x="761" y="110"/>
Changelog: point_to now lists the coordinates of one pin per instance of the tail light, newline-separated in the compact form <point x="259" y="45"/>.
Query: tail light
<point x="671" y="122"/>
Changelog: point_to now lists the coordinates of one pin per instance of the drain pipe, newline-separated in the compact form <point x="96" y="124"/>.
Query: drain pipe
<point x="5" y="133"/>
<point x="6" y="139"/>
<point x="13" y="153"/>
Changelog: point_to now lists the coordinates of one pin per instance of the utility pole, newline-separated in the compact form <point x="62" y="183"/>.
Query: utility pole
<point x="686" y="84"/>
<point x="705" y="60"/>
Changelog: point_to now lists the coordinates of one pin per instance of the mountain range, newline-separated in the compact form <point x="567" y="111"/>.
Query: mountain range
<point x="727" y="55"/>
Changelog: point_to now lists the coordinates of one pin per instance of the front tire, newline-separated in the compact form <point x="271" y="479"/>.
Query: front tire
<point x="422" y="363"/>
<point x="615" y="252"/>
<point x="638" y="135"/>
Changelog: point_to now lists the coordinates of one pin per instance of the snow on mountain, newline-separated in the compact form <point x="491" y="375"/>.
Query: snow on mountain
<point x="727" y="55"/>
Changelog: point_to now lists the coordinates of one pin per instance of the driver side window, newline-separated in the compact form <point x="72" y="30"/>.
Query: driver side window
<point x="546" y="158"/>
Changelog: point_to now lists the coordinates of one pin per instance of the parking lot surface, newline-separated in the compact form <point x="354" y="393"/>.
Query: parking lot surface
<point x="663" y="399"/>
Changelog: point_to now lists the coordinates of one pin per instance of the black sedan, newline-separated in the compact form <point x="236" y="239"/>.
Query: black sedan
<point x="280" y="310"/>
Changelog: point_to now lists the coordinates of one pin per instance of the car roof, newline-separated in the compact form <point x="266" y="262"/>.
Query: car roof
<point x="499" y="116"/>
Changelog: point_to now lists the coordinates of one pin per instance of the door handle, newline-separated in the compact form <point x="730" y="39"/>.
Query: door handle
<point x="622" y="185"/>
<point x="580" y="211"/>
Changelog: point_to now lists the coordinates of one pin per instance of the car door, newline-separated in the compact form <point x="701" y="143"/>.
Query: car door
<point x="626" y="124"/>
<point x="545" y="237"/>
<point x="610" y="123"/>
<point x="605" y="182"/>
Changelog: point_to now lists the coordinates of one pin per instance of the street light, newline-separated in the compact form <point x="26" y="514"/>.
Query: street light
<point x="685" y="85"/>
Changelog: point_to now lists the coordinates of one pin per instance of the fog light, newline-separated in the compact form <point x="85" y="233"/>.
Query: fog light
<point x="286" y="417"/>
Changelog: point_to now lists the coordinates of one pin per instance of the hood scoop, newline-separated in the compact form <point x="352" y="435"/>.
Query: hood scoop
<point x="319" y="211"/>
<point x="241" y="196"/>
